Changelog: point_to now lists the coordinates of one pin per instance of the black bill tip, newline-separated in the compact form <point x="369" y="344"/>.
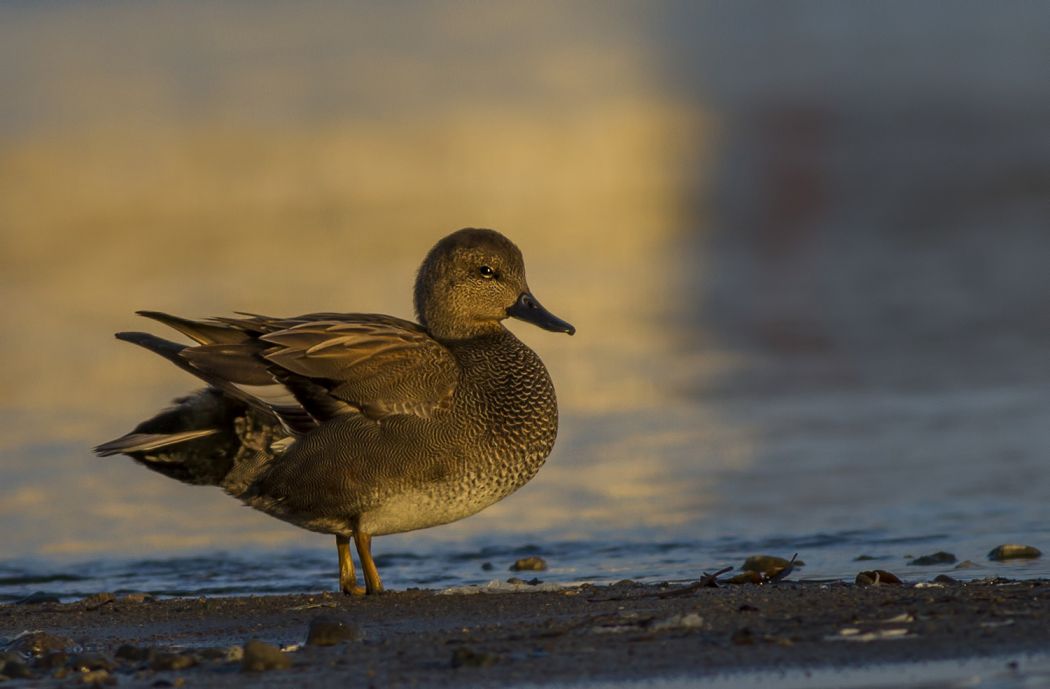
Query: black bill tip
<point x="527" y="308"/>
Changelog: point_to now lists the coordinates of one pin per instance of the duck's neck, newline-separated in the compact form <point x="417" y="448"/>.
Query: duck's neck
<point x="457" y="332"/>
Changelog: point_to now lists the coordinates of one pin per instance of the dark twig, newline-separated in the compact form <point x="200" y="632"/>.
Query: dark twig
<point x="706" y="581"/>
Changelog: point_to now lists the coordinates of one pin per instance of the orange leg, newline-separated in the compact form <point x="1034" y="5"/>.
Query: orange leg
<point x="347" y="576"/>
<point x="373" y="584"/>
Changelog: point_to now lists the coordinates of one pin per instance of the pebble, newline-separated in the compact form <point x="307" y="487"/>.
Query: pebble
<point x="135" y="654"/>
<point x="329" y="631"/>
<point x="97" y="600"/>
<point x="768" y="564"/>
<point x="466" y="657"/>
<point x="13" y="668"/>
<point x="518" y="581"/>
<point x="1011" y="551"/>
<point x="53" y="660"/>
<point x="487" y="566"/>
<point x="86" y="662"/>
<point x="137" y="598"/>
<point x="231" y="654"/>
<point x="877" y="577"/>
<point x="260" y="656"/>
<point x="967" y="564"/>
<point x="98" y="678"/>
<point x="938" y="558"/>
<point x="533" y="563"/>
<point x="41" y="643"/>
<point x="161" y="661"/>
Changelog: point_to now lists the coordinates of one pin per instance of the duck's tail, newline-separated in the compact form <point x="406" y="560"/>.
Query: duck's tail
<point x="207" y="438"/>
<point x="215" y="437"/>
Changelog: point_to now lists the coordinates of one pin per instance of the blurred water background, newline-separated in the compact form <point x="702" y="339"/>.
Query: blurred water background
<point x="803" y="245"/>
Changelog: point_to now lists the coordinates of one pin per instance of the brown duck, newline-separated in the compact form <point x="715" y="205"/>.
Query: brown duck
<point x="361" y="425"/>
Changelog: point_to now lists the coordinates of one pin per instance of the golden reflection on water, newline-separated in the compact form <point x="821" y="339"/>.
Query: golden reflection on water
<point x="864" y="319"/>
<point x="290" y="161"/>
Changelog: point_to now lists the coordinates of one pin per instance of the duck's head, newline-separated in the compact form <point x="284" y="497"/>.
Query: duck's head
<point x="473" y="279"/>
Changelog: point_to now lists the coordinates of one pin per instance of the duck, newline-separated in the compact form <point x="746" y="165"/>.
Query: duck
<point x="358" y="424"/>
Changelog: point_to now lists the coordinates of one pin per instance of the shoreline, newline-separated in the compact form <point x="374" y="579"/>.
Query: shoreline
<point x="615" y="634"/>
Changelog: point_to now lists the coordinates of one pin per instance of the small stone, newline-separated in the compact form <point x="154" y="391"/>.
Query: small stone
<point x="38" y="644"/>
<point x="134" y="654"/>
<point x="864" y="558"/>
<point x="768" y="564"/>
<point x="98" y="678"/>
<point x="97" y="600"/>
<point x="967" y="564"/>
<point x="876" y="577"/>
<point x="86" y="662"/>
<point x="14" y="669"/>
<point x="260" y="656"/>
<point x="329" y="631"/>
<point x="37" y="598"/>
<point x="161" y="661"/>
<point x="137" y="598"/>
<point x="487" y="566"/>
<point x="465" y="657"/>
<point x="938" y="558"/>
<point x="945" y="579"/>
<point x="533" y="563"/>
<point x="233" y="653"/>
<point x="1013" y="551"/>
<point x="53" y="660"/>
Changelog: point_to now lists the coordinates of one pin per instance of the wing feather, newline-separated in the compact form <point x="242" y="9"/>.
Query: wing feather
<point x="309" y="368"/>
<point x="377" y="364"/>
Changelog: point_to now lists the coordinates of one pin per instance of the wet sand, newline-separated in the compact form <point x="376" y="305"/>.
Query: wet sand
<point x="620" y="632"/>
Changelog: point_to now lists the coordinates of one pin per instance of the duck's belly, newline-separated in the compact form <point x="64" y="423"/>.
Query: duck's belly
<point x="418" y="509"/>
<point x="457" y="496"/>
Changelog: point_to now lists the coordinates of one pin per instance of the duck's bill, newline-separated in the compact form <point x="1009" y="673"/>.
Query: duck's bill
<point x="528" y="309"/>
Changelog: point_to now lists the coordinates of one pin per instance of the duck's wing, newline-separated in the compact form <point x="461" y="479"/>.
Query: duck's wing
<point x="323" y="364"/>
<point x="376" y="365"/>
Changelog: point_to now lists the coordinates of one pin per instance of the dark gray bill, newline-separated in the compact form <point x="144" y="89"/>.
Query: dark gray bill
<point x="529" y="310"/>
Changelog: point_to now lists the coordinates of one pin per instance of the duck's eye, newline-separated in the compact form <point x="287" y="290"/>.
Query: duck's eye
<point x="486" y="272"/>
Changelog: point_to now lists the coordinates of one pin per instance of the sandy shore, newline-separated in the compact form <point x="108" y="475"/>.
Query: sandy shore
<point x="620" y="632"/>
